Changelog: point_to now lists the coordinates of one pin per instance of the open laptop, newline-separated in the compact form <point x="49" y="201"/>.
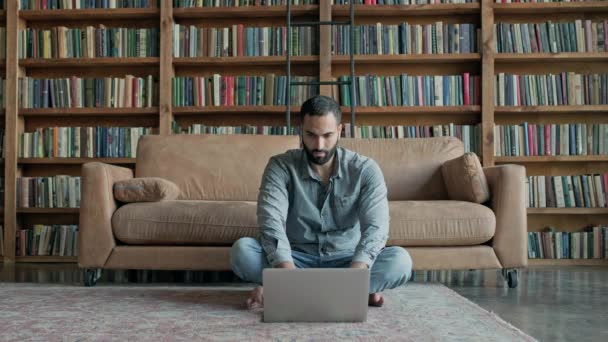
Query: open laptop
<point x="315" y="294"/>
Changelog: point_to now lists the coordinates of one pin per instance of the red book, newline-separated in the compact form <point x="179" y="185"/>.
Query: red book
<point x="465" y="80"/>
<point x="477" y="90"/>
<point x="240" y="41"/>
<point x="531" y="140"/>
<point x="547" y="139"/>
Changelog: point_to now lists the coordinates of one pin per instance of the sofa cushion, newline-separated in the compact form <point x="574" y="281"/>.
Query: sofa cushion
<point x="411" y="167"/>
<point x="147" y="189"/>
<point x="465" y="180"/>
<point x="440" y="223"/>
<point x="183" y="222"/>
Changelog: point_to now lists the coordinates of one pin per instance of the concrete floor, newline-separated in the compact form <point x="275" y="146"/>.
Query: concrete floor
<point x="551" y="303"/>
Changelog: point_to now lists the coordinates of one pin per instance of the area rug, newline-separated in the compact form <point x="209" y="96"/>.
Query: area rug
<point x="416" y="312"/>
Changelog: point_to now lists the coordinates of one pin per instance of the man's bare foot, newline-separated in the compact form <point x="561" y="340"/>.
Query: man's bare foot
<point x="256" y="300"/>
<point x="376" y="299"/>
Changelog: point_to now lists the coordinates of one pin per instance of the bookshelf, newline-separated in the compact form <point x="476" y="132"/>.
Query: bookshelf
<point x="325" y="65"/>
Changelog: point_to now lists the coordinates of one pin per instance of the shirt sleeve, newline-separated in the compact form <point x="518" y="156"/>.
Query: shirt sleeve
<point x="272" y="208"/>
<point x="373" y="215"/>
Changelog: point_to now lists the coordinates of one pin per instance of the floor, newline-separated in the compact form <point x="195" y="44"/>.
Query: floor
<point x="550" y="303"/>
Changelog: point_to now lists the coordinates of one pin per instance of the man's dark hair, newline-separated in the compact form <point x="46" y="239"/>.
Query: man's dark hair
<point x="320" y="105"/>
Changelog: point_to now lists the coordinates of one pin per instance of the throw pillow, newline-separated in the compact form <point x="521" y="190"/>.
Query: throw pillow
<point x="145" y="189"/>
<point x="465" y="180"/>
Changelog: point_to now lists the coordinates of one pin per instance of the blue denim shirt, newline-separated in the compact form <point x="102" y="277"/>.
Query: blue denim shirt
<point x="295" y="212"/>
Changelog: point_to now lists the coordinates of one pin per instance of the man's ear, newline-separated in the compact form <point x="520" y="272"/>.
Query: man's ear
<point x="340" y="128"/>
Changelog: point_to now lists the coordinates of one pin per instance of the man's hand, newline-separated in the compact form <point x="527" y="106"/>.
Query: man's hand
<point x="288" y="265"/>
<point x="358" y="264"/>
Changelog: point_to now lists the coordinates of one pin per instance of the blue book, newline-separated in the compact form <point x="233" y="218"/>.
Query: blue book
<point x="572" y="139"/>
<point x="526" y="139"/>
<point x="585" y="191"/>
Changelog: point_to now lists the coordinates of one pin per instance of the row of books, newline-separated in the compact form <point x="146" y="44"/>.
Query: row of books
<point x="84" y="4"/>
<point x="238" y="40"/>
<point x="76" y="92"/>
<point x="581" y="191"/>
<point x="221" y="90"/>
<point x="566" y="88"/>
<point x="592" y="244"/>
<point x="239" y="3"/>
<point x="575" y="36"/>
<point x="406" y="38"/>
<point x="575" y="139"/>
<point x="470" y="135"/>
<point x="48" y="240"/>
<point x="412" y="90"/>
<point x="89" y="42"/>
<point x="229" y="130"/>
<point x="81" y="142"/>
<point x="59" y="191"/>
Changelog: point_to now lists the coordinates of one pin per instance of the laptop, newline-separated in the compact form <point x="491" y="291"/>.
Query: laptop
<point x="315" y="294"/>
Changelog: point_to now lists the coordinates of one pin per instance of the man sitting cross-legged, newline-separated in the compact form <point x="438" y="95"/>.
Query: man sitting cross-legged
<point x="322" y="206"/>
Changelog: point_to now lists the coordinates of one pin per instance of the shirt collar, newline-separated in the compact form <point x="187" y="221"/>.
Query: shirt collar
<point x="306" y="170"/>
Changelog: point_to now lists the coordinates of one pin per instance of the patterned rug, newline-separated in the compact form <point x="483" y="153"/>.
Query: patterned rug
<point x="416" y="312"/>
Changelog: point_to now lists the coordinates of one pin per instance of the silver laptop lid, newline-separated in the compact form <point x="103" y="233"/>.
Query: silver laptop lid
<point x="316" y="295"/>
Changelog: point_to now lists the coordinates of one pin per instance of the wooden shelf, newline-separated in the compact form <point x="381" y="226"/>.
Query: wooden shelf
<point x="567" y="262"/>
<point x="100" y="62"/>
<point x="560" y="57"/>
<point x="543" y="159"/>
<point x="47" y="259"/>
<point x="58" y="161"/>
<point x="567" y="211"/>
<point x="551" y="8"/>
<point x="580" y="109"/>
<point x="405" y="10"/>
<point x="409" y="58"/>
<point x="415" y="110"/>
<point x="48" y="210"/>
<point x="244" y="61"/>
<point x="120" y="112"/>
<point x="90" y="14"/>
<point x="250" y="12"/>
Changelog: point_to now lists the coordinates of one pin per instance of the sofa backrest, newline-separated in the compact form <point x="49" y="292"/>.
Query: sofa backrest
<point x="411" y="167"/>
<point x="211" y="167"/>
<point x="230" y="167"/>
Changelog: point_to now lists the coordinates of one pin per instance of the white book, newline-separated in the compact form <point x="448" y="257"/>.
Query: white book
<point x="438" y="83"/>
<point x="600" y="191"/>
<point x="559" y="192"/>
<point x="542" y="194"/>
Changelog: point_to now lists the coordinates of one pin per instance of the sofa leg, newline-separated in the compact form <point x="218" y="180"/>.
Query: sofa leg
<point x="91" y="275"/>
<point x="511" y="276"/>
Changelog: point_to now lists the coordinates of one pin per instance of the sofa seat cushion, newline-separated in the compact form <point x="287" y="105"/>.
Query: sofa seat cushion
<point x="185" y="222"/>
<point x="440" y="223"/>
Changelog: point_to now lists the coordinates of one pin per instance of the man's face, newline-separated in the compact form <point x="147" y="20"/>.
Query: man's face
<point x="320" y="136"/>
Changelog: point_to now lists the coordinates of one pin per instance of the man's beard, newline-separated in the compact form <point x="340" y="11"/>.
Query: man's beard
<point x="323" y="159"/>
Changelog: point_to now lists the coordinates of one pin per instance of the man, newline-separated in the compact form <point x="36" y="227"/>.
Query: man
<point x="322" y="206"/>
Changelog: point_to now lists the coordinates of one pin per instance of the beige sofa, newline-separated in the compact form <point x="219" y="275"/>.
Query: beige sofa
<point x="219" y="177"/>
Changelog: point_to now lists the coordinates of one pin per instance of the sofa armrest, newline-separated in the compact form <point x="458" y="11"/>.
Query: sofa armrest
<point x="507" y="200"/>
<point x="97" y="205"/>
